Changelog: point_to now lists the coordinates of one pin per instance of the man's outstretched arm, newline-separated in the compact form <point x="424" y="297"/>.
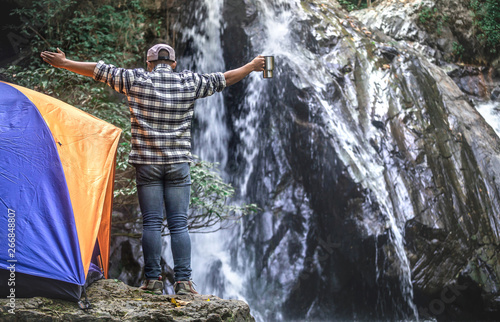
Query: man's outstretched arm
<point x="59" y="60"/>
<point x="235" y="75"/>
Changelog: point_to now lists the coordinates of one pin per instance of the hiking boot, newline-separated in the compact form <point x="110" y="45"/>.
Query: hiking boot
<point x="153" y="286"/>
<point x="184" y="288"/>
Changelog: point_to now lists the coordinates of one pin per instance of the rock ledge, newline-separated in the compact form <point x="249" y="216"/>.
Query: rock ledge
<point x="112" y="300"/>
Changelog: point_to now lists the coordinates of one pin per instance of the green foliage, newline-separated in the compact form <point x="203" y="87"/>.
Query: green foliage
<point x="84" y="32"/>
<point x="432" y="20"/>
<point x="115" y="34"/>
<point x="351" y="5"/>
<point x="458" y="50"/>
<point x="426" y="14"/>
<point x="209" y="208"/>
<point x="487" y="20"/>
<point x="41" y="23"/>
<point x="209" y="198"/>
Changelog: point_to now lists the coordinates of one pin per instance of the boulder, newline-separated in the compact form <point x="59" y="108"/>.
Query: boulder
<point x="112" y="300"/>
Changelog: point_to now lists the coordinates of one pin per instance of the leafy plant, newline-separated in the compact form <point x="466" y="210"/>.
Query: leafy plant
<point x="458" y="50"/>
<point x="115" y="35"/>
<point x="351" y="5"/>
<point x="209" y="208"/>
<point x="210" y="197"/>
<point x="486" y="14"/>
<point x="431" y="19"/>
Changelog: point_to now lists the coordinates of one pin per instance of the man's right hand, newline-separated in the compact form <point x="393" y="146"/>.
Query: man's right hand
<point x="258" y="63"/>
<point x="55" y="59"/>
<point x="235" y="75"/>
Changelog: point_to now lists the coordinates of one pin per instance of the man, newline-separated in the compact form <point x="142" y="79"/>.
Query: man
<point x="161" y="109"/>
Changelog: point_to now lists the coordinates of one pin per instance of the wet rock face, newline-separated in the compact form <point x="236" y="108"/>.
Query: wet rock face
<point x="112" y="300"/>
<point x="442" y="30"/>
<point x="454" y="203"/>
<point x="435" y="26"/>
<point x="478" y="81"/>
<point x="462" y="216"/>
<point x="415" y="158"/>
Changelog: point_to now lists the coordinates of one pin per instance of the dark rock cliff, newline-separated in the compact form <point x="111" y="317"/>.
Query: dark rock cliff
<point x="373" y="167"/>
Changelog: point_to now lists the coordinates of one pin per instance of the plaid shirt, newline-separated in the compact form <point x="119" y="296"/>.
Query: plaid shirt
<point x="161" y="108"/>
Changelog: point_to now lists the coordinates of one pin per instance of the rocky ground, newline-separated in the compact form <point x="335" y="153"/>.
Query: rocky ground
<point x="112" y="300"/>
<point x="442" y="30"/>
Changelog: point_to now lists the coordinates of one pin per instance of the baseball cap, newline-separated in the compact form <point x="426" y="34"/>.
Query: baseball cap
<point x="153" y="52"/>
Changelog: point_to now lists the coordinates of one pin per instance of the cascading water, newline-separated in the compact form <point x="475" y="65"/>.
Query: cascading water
<point x="491" y="113"/>
<point x="276" y="19"/>
<point x="314" y="150"/>
<point x="275" y="41"/>
<point x="211" y="262"/>
<point x="210" y="139"/>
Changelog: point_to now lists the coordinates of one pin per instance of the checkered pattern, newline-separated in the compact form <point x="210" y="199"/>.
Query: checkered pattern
<point x="161" y="108"/>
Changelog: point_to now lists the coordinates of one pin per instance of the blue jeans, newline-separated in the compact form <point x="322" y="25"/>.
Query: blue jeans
<point x="165" y="188"/>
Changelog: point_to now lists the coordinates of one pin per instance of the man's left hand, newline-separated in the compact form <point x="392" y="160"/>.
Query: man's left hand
<point x="55" y="59"/>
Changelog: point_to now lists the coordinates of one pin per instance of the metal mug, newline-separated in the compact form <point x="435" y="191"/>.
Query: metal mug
<point x="268" y="66"/>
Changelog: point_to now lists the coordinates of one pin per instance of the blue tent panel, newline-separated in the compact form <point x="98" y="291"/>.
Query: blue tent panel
<point x="33" y="187"/>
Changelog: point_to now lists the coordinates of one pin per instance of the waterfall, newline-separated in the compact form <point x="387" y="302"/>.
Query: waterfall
<point x="221" y="265"/>
<point x="212" y="271"/>
<point x="274" y="40"/>
<point x="276" y="18"/>
<point x="210" y="138"/>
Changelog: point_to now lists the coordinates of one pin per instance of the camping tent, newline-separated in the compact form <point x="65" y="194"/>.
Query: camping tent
<point x="56" y="190"/>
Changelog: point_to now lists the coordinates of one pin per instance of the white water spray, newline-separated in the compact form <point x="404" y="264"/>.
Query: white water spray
<point x="211" y="261"/>
<point x="490" y="111"/>
<point x="211" y="140"/>
<point x="276" y="17"/>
